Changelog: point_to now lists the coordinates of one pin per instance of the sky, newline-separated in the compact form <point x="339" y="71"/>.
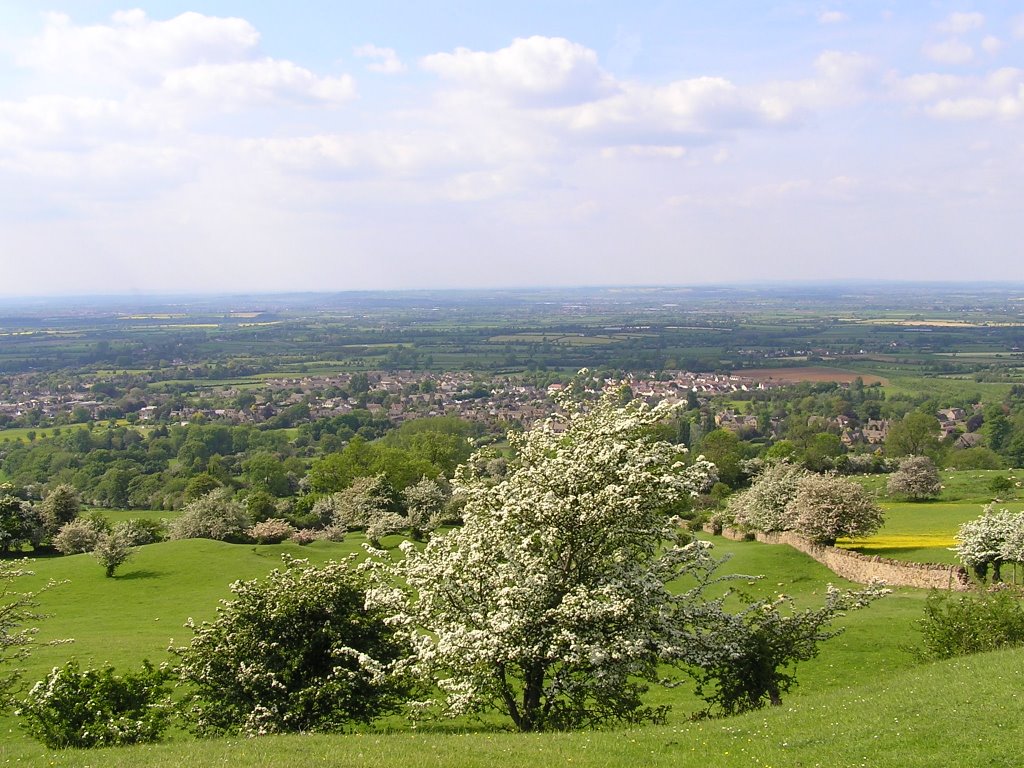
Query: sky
<point x="228" y="146"/>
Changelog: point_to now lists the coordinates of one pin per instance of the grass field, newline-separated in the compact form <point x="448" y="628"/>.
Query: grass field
<point x="863" y="701"/>
<point x="964" y="712"/>
<point x="139" y="613"/>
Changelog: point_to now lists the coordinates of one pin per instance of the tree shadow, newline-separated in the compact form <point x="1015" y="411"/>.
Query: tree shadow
<point x="139" y="574"/>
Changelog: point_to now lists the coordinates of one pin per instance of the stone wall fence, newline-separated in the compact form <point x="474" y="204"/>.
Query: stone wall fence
<point x="863" y="569"/>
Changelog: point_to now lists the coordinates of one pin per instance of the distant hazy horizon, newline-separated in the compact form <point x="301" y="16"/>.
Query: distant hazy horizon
<point x="227" y="147"/>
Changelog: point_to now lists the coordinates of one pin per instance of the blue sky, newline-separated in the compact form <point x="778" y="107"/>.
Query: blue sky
<point x="242" y="146"/>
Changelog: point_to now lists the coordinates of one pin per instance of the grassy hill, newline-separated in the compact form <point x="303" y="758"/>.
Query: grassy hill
<point x="964" y="712"/>
<point x="863" y="701"/>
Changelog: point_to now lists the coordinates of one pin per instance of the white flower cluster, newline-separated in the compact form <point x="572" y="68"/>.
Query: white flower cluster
<point x="552" y="600"/>
<point x="990" y="540"/>
<point x="786" y="497"/>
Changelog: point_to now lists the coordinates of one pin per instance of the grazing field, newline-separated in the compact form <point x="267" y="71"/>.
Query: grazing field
<point x="811" y="373"/>
<point x="972" y="486"/>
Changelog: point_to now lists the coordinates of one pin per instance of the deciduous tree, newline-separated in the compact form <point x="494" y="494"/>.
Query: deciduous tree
<point x="551" y="603"/>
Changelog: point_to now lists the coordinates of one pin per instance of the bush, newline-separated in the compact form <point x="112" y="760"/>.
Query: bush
<point x="139" y="531"/>
<point x="303" y="536"/>
<point x="1001" y="484"/>
<point x="762" y="644"/>
<point x="917" y="479"/>
<point x="970" y="623"/>
<point x="826" y="507"/>
<point x="767" y="504"/>
<point x="214" y="516"/>
<point x="298" y="651"/>
<point x="60" y="506"/>
<point x="990" y="540"/>
<point x="95" y="708"/>
<point x="112" y="551"/>
<point x="272" y="531"/>
<point x="80" y="535"/>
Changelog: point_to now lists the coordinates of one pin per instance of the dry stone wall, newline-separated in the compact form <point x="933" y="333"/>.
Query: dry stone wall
<point x="864" y="569"/>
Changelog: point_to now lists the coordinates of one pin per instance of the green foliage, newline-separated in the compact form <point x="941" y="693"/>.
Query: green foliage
<point x="760" y="647"/>
<point x="917" y="434"/>
<point x="1001" y="484"/>
<point x="20" y="524"/>
<point x="297" y="651"/>
<point x="975" y="622"/>
<point x="724" y="449"/>
<point x="72" y="707"/>
<point x="977" y="457"/>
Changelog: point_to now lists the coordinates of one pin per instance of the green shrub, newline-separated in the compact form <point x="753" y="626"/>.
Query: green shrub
<point x="95" y="708"/>
<point x="1000" y="484"/>
<point x="970" y="623"/>
<point x="297" y="651"/>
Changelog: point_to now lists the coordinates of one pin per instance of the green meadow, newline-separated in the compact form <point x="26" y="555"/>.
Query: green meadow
<point x="924" y="532"/>
<point x="864" y="701"/>
<point x="140" y="612"/>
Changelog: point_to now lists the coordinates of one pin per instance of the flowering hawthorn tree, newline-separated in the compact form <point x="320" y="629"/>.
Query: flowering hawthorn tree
<point x="991" y="540"/>
<point x="826" y="507"/>
<point x="917" y="479"/>
<point x="551" y="602"/>
<point x="766" y="504"/>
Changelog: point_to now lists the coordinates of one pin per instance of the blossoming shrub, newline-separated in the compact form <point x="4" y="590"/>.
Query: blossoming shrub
<point x="298" y="651"/>
<point x="765" y="505"/>
<point x="112" y="551"/>
<point x="72" y="707"/>
<point x="79" y="535"/>
<point x="988" y="541"/>
<point x="826" y="507"/>
<point x="551" y="602"/>
<point x="917" y="479"/>
<point x="213" y="516"/>
<point x="272" y="531"/>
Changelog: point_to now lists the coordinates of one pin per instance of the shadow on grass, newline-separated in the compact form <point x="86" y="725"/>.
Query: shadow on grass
<point x="140" y="574"/>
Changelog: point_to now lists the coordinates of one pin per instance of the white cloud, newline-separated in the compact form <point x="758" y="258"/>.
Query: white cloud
<point x="926" y="86"/>
<point x="644" y="152"/>
<point x="265" y="81"/>
<point x="832" y="17"/>
<point x="383" y="60"/>
<point x="134" y="47"/>
<point x="1017" y="27"/>
<point x="991" y="45"/>
<point x="959" y="23"/>
<point x="536" y="71"/>
<point x="999" y="96"/>
<point x="949" y="52"/>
